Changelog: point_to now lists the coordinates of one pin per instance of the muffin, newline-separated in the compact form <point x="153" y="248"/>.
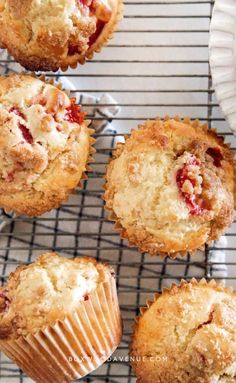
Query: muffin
<point x="44" y="147"/>
<point x="188" y="334"/>
<point x="60" y="318"/>
<point x="44" y="37"/>
<point x="170" y="187"/>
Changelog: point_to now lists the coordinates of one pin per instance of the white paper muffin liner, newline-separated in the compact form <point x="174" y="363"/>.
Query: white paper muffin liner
<point x="223" y="57"/>
<point x="75" y="346"/>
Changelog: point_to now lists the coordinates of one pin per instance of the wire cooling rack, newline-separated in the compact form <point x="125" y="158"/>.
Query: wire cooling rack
<point x="157" y="64"/>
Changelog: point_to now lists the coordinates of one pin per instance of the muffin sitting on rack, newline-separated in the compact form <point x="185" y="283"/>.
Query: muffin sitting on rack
<point x="170" y="187"/>
<point x="44" y="147"/>
<point x="59" y="317"/>
<point x="45" y="35"/>
<point x="187" y="335"/>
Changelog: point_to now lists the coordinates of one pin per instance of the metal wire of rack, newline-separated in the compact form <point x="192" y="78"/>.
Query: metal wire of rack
<point x="157" y="64"/>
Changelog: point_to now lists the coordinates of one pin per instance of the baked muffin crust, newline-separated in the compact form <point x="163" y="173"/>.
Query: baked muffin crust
<point x="47" y="290"/>
<point x="42" y="35"/>
<point x="188" y="334"/>
<point x="170" y="187"/>
<point x="44" y="145"/>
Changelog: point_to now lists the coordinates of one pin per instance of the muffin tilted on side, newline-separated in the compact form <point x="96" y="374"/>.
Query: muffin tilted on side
<point x="187" y="335"/>
<point x="46" y="35"/>
<point x="170" y="187"/>
<point x="60" y="318"/>
<point x="44" y="147"/>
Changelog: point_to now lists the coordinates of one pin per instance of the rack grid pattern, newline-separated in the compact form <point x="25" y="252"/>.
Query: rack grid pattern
<point x="157" y="64"/>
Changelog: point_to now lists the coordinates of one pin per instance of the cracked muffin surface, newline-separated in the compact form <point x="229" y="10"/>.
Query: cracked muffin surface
<point x="170" y="187"/>
<point x="47" y="290"/>
<point x="188" y="334"/>
<point x="44" y="146"/>
<point x="48" y="35"/>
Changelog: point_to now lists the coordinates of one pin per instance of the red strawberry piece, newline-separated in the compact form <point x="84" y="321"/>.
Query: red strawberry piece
<point x="182" y="176"/>
<point x="73" y="113"/>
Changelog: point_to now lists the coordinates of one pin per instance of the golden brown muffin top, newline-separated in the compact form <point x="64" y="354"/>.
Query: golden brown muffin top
<point x="187" y="335"/>
<point x="46" y="35"/>
<point x="46" y="291"/>
<point x="170" y="187"/>
<point x="38" y="123"/>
